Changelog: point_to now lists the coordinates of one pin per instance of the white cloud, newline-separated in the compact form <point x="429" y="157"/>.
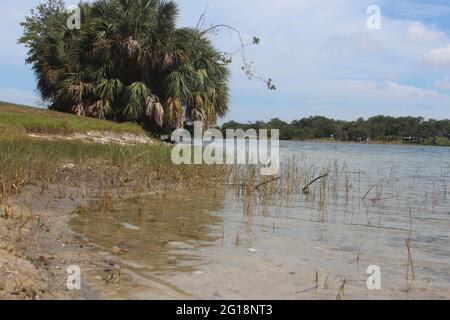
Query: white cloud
<point x="379" y="90"/>
<point x="421" y="33"/>
<point x="443" y="84"/>
<point x="409" y="91"/>
<point x="438" y="56"/>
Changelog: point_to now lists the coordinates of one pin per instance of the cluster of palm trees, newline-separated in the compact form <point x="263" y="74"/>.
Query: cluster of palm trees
<point x="128" y="61"/>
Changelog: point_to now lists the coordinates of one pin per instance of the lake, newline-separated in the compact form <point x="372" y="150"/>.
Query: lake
<point x="383" y="206"/>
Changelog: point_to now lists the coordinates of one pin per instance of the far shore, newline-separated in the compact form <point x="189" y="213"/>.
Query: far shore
<point x="371" y="142"/>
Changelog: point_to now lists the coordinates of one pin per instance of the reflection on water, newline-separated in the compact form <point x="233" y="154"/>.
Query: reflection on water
<point x="293" y="245"/>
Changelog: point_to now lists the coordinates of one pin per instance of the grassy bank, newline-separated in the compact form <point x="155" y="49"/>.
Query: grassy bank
<point x="17" y="120"/>
<point x="25" y="160"/>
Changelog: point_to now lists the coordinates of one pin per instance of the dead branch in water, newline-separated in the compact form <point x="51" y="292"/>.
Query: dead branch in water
<point x="410" y="265"/>
<point x="367" y="193"/>
<point x="306" y="188"/>
<point x="255" y="187"/>
<point x="378" y="196"/>
<point x="386" y="198"/>
<point x="267" y="182"/>
<point x="379" y="193"/>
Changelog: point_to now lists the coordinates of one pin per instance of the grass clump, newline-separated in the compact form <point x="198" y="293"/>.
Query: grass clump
<point x="24" y="159"/>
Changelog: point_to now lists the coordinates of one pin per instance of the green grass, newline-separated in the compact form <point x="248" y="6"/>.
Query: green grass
<point x="16" y="120"/>
<point x="24" y="160"/>
<point x="16" y="147"/>
<point x="28" y="151"/>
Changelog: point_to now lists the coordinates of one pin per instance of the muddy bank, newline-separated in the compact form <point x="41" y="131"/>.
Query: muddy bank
<point x="37" y="245"/>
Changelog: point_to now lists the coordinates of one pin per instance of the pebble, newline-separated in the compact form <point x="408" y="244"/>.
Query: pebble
<point x="130" y="226"/>
<point x="68" y="166"/>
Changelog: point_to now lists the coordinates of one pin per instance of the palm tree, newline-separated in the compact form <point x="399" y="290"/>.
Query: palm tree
<point x="129" y="61"/>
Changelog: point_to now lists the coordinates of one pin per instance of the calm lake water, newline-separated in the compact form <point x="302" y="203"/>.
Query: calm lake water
<point x="381" y="205"/>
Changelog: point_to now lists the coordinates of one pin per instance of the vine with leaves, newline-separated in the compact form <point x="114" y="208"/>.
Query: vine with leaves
<point x="227" y="57"/>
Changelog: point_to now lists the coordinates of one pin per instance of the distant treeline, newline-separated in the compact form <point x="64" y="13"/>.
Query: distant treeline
<point x="375" y="129"/>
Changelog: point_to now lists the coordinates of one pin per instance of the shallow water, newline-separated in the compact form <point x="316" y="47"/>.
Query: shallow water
<point x="207" y="244"/>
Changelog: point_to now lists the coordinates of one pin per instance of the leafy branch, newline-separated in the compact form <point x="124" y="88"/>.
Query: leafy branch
<point x="227" y="57"/>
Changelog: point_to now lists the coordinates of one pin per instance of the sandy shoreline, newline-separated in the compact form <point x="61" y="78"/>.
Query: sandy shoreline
<point x="37" y="244"/>
<point x="38" y="255"/>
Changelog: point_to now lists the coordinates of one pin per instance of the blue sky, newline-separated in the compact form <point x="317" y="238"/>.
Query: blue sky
<point x="322" y="57"/>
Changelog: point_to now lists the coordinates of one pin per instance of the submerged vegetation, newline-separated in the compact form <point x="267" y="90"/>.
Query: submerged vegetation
<point x="379" y="129"/>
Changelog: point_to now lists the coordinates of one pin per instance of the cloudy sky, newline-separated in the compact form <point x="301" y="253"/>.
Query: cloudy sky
<point x="320" y="53"/>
